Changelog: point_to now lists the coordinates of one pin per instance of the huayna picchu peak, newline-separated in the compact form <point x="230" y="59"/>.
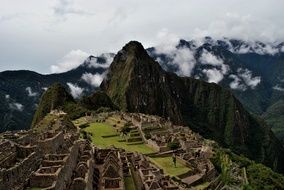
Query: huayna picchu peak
<point x="137" y="83"/>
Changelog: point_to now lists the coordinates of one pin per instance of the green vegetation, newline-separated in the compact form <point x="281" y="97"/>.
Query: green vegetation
<point x="259" y="176"/>
<point x="55" y="97"/>
<point x="166" y="163"/>
<point x="53" y="122"/>
<point x="173" y="145"/>
<point x="226" y="163"/>
<point x="98" y="130"/>
<point x="274" y="117"/>
<point x="125" y="130"/>
<point x="97" y="100"/>
<point x="74" y="110"/>
<point x="116" y="120"/>
<point x="129" y="183"/>
<point x="202" y="186"/>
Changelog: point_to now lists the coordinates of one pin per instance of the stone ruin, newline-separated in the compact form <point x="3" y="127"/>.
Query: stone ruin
<point x="52" y="160"/>
<point x="17" y="162"/>
<point x="58" y="159"/>
<point x="110" y="167"/>
<point x="192" y="151"/>
<point x="151" y="177"/>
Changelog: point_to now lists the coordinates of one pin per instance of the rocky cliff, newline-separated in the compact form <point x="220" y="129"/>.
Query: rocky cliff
<point x="136" y="83"/>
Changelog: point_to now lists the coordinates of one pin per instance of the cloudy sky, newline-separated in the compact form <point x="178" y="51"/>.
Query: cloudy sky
<point x="43" y="35"/>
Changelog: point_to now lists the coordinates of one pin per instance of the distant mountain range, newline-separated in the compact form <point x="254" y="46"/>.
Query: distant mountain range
<point x="254" y="71"/>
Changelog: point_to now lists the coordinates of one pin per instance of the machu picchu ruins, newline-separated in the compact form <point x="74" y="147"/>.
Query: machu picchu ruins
<point x="71" y="156"/>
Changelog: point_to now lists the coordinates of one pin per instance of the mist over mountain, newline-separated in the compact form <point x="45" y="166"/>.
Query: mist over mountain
<point x="21" y="90"/>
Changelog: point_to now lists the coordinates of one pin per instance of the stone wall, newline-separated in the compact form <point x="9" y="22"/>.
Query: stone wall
<point x="7" y="153"/>
<point x="56" y="176"/>
<point x="20" y="172"/>
<point x="65" y="175"/>
<point x="83" y="173"/>
<point x="156" y="147"/>
<point x="45" y="176"/>
<point x="51" y="144"/>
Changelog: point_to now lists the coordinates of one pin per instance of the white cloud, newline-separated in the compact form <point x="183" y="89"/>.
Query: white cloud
<point x="44" y="88"/>
<point x="30" y="92"/>
<point x="236" y="84"/>
<point x="70" y="61"/>
<point x="7" y="96"/>
<point x="208" y="58"/>
<point x="76" y="91"/>
<point x="213" y="75"/>
<point x="44" y="39"/>
<point x="241" y="25"/>
<point x="167" y="42"/>
<point x="277" y="87"/>
<point x="16" y="106"/>
<point x="183" y="58"/>
<point x="93" y="61"/>
<point x="249" y="80"/>
<point x="256" y="47"/>
<point x="93" y="79"/>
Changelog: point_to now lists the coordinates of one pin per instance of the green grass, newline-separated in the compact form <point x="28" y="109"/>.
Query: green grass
<point x="101" y="129"/>
<point x="129" y="183"/>
<point x="202" y="186"/>
<point x="113" y="120"/>
<point x="166" y="163"/>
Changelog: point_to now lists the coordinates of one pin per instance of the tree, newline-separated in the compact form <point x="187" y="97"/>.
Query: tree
<point x="173" y="145"/>
<point x="125" y="130"/>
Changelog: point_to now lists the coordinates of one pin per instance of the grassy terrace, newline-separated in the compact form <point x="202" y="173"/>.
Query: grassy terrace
<point x="102" y="129"/>
<point x="113" y="120"/>
<point x="105" y="135"/>
<point x="167" y="164"/>
<point x="129" y="183"/>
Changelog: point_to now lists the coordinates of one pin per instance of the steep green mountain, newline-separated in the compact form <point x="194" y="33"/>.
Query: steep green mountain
<point x="274" y="117"/>
<point x="57" y="97"/>
<point x="136" y="83"/>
